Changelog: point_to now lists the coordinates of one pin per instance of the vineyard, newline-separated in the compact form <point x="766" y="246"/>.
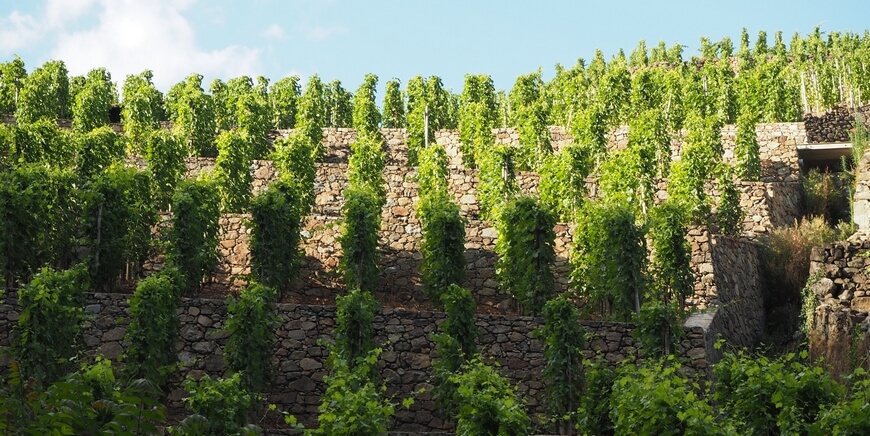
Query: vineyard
<point x="600" y="253"/>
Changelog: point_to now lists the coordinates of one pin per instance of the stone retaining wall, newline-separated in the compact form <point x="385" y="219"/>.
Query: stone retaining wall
<point x="405" y="362"/>
<point x="835" y="125"/>
<point x="840" y="328"/>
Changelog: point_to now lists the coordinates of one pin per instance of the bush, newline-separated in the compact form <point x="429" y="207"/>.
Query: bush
<point x="366" y="166"/>
<point x="366" y="117"/>
<point x="165" y="156"/>
<point x="142" y="109"/>
<point x="432" y="173"/>
<point x="224" y="403"/>
<point x="526" y="253"/>
<point x="658" y="327"/>
<point x="96" y="150"/>
<point x="359" y="239"/>
<point x="487" y="403"/>
<point x="193" y="236"/>
<point x="275" y="224"/>
<point x="153" y="329"/>
<point x="294" y="158"/>
<point x="825" y="195"/>
<point x="563" y="182"/>
<point x="849" y="416"/>
<point x="41" y="141"/>
<point x="354" y="333"/>
<point x="563" y="338"/>
<point x="672" y="254"/>
<point x="729" y="213"/>
<point x="48" y="334"/>
<point x="91" y="107"/>
<point x="192" y="113"/>
<point x="232" y="171"/>
<point x="498" y="182"/>
<point x="593" y="415"/>
<point x="443" y="246"/>
<point x="251" y="323"/>
<point x="455" y="345"/>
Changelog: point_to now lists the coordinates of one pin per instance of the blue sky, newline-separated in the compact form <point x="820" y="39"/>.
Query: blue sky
<point x="345" y="39"/>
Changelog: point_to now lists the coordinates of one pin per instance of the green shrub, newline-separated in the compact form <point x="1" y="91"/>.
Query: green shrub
<point x="529" y="114"/>
<point x="659" y="327"/>
<point x="48" y="334"/>
<point x="394" y="105"/>
<point x="96" y="151"/>
<point x="443" y="246"/>
<point x="251" y="323"/>
<point x="354" y="333"/>
<point x="455" y="345"/>
<point x="193" y="236"/>
<point x="498" y="182"/>
<point x="90" y="109"/>
<point x="746" y="148"/>
<point x="563" y="182"/>
<point x="526" y="254"/>
<point x="254" y="122"/>
<point x="192" y="113"/>
<point x="729" y="213"/>
<point x="593" y="415"/>
<point x="153" y="329"/>
<point x="825" y="195"/>
<point x="311" y="113"/>
<point x="432" y="172"/>
<point x="366" y="117"/>
<point x="232" y="171"/>
<point x="142" y="109"/>
<point x="164" y="154"/>
<point x="849" y="416"/>
<point x="284" y="95"/>
<point x="41" y="141"/>
<point x="294" y="158"/>
<point x="223" y="402"/>
<point x="563" y="339"/>
<point x="672" y="254"/>
<point x="359" y="239"/>
<point x="366" y="167"/>
<point x="44" y="94"/>
<point x="275" y="224"/>
<point x="488" y="403"/>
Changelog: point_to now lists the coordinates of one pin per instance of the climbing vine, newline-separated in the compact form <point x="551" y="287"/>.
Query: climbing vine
<point x="443" y="246"/>
<point x="153" y="329"/>
<point x="563" y="338"/>
<point x="359" y="238"/>
<point x="164" y="154"/>
<point x="91" y="105"/>
<point x="275" y="225"/>
<point x="284" y="97"/>
<point x="233" y="171"/>
<point x="251" y="322"/>
<point x="394" y="106"/>
<point x="142" y="109"/>
<point x="193" y="235"/>
<point x="366" y="117"/>
<point x="192" y="113"/>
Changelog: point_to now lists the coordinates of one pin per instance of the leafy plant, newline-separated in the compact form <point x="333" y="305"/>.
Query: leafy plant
<point x="729" y="214"/>
<point x="91" y="106"/>
<point x="593" y="415"/>
<point x="432" y="173"/>
<point x="275" y="224"/>
<point x="224" y="402"/>
<point x="455" y="345"/>
<point x="672" y="254"/>
<point x="366" y="117"/>
<point x="359" y="238"/>
<point x="443" y="246"/>
<point x="477" y="115"/>
<point x="824" y="196"/>
<point x="529" y="114"/>
<point x="153" y="329"/>
<point x="354" y="333"/>
<point x="849" y="416"/>
<point x="563" y="182"/>
<point x="165" y="157"/>
<point x="284" y="96"/>
<point x="526" y="254"/>
<point x="193" y="236"/>
<point x="192" y="113"/>
<point x="48" y="334"/>
<point x="12" y="76"/>
<point x="142" y="109"/>
<point x="497" y="180"/>
<point x="700" y="157"/>
<point x="311" y="114"/>
<point x="294" y="158"/>
<point x="488" y="404"/>
<point x="338" y="104"/>
<point x="659" y="327"/>
<point x="563" y="338"/>
<point x="394" y="106"/>
<point x="366" y="166"/>
<point x="44" y="94"/>
<point x="251" y="323"/>
<point x="746" y="148"/>
<point x="254" y="120"/>
<point x="233" y="171"/>
<point x="42" y="141"/>
<point x="96" y="151"/>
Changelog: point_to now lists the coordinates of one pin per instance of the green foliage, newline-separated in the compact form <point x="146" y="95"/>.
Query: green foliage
<point x="526" y="254"/>
<point x="746" y="149"/>
<point x="352" y="403"/>
<point x="563" y="338"/>
<point x="164" y="155"/>
<point x="366" y="117"/>
<point x="354" y="333"/>
<point x="91" y="106"/>
<point x="232" y="171"/>
<point x="142" y="109"/>
<point x="825" y="195"/>
<point x="153" y="329"/>
<point x="359" y="238"/>
<point x="312" y="112"/>
<point x="443" y="246"/>
<point x="338" y="104"/>
<point x="656" y="399"/>
<point x="593" y="415"/>
<point x="455" y="345"/>
<point x="672" y="254"/>
<point x="275" y="224"/>
<point x="488" y="404"/>
<point x="610" y="259"/>
<point x="498" y="182"/>
<point x="193" y="236"/>
<point x="284" y="96"/>
<point x="658" y="327"/>
<point x="88" y="401"/>
<point x="529" y="115"/>
<point x="729" y="214"/>
<point x="563" y="182"/>
<point x="432" y="172"/>
<point x="366" y="166"/>
<point x="48" y="335"/>
<point x="223" y="402"/>
<point x="45" y="94"/>
<point x="849" y="416"/>
<point x="772" y="396"/>
<point x="425" y="97"/>
<point x="701" y="155"/>
<point x="251" y="323"/>
<point x="192" y="113"/>
<point x="478" y="115"/>
<point x="254" y="120"/>
<point x="41" y="141"/>
<point x="120" y="213"/>
<point x="394" y="106"/>
<point x="12" y="76"/>
<point x="860" y="138"/>
<point x="39" y="226"/>
<point x="96" y="151"/>
<point x="294" y="158"/>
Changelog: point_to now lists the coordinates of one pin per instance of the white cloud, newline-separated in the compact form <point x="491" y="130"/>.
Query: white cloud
<point x="17" y="31"/>
<point x="320" y="33"/>
<point x="273" y="32"/>
<point x="60" y="12"/>
<point x="131" y="36"/>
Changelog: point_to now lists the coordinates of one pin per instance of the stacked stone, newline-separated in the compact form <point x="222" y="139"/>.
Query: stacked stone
<point x="844" y="267"/>
<point x="833" y="126"/>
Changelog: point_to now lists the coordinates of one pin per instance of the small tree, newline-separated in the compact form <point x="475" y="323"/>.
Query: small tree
<point x="443" y="246"/>
<point x="233" y="171"/>
<point x="193" y="236"/>
<point x="251" y="322"/>
<point x="275" y="225"/>
<point x="526" y="254"/>
<point x="563" y="338"/>
<point x="153" y="329"/>
<point x="48" y="334"/>
<point x="359" y="238"/>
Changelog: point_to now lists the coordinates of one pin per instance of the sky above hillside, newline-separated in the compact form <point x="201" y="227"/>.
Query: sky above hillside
<point x="345" y="39"/>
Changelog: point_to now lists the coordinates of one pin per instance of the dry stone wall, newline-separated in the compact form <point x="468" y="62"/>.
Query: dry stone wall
<point x="840" y="285"/>
<point x="835" y="125"/>
<point x="405" y="364"/>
